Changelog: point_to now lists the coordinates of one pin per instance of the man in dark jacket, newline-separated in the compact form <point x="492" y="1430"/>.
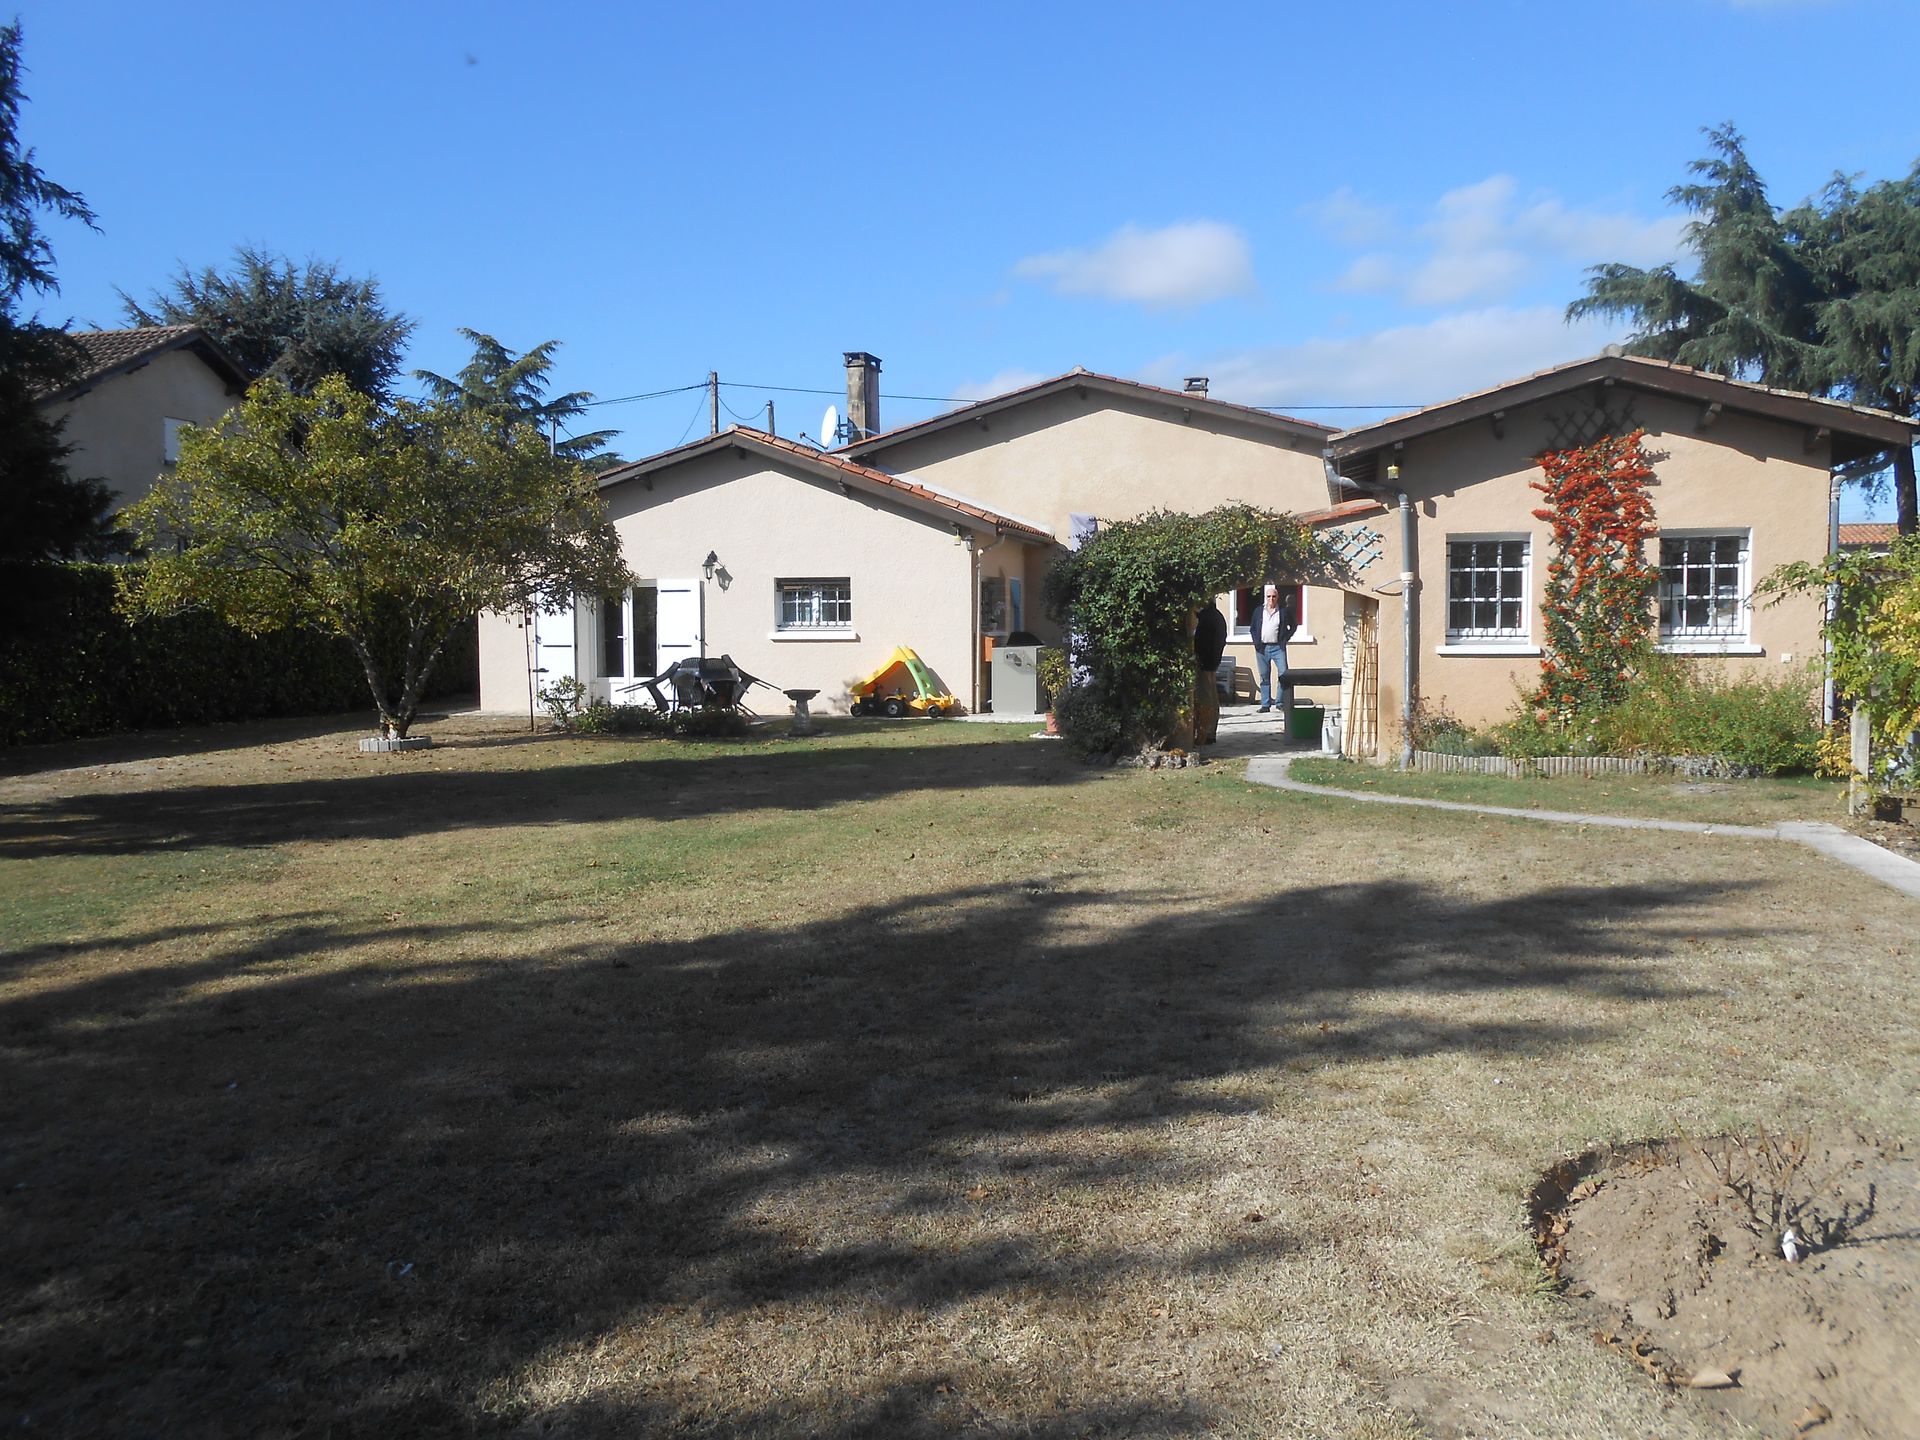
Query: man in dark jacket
<point x="1272" y="626"/>
<point x="1209" y="644"/>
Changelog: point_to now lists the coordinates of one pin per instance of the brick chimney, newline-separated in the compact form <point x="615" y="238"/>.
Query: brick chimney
<point x="863" y="393"/>
<point x="1197" y="385"/>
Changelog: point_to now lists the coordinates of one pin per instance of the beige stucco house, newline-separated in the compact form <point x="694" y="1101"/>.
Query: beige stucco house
<point x="1744" y="481"/>
<point x="809" y="567"/>
<point x="935" y="536"/>
<point x="123" y="415"/>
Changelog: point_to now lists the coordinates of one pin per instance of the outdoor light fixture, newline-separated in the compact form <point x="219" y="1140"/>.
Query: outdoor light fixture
<point x="707" y="565"/>
<point x="1393" y="472"/>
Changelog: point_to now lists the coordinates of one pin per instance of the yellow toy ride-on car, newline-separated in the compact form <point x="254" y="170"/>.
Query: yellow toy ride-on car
<point x="884" y="693"/>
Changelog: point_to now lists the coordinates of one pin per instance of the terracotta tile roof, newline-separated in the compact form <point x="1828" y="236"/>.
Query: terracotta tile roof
<point x="831" y="464"/>
<point x="112" y="352"/>
<point x="1111" y="384"/>
<point x="1858" y="535"/>
<point x="1339" y="514"/>
<point x="1879" y="427"/>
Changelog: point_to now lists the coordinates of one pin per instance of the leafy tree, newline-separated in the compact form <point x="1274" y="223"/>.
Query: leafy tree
<point x="509" y="389"/>
<point x="293" y="323"/>
<point x="1825" y="297"/>
<point x="387" y="523"/>
<point x="1873" y="626"/>
<point x="44" y="512"/>
<point x="1127" y="596"/>
<point x="1864" y="253"/>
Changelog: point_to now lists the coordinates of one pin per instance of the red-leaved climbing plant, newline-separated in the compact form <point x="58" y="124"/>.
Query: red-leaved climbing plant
<point x="1600" y="583"/>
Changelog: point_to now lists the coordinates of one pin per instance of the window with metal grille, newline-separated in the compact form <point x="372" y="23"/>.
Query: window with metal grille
<point x="1487" y="589"/>
<point x="1703" y="587"/>
<point x="815" y="605"/>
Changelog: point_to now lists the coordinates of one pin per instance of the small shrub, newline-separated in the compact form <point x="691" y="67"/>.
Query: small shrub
<point x="1090" y="725"/>
<point x="1751" y="725"/>
<point x="600" y="718"/>
<point x="1435" y="728"/>
<point x="709" y="724"/>
<point x="564" y="700"/>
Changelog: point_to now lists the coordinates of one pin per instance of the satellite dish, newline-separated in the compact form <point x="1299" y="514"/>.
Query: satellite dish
<point x="830" y="428"/>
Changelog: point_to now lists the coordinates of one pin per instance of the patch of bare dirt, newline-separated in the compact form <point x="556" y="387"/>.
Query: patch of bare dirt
<point x="1900" y="836"/>
<point x="1671" y="1251"/>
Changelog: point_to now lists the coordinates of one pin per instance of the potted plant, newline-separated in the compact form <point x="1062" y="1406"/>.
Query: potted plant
<point x="1053" y="674"/>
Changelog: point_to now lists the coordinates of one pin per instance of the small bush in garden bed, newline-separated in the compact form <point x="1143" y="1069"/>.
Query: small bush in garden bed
<point x="1435" y="728"/>
<point x="601" y="718"/>
<point x="1706" y="722"/>
<point x="1753" y="724"/>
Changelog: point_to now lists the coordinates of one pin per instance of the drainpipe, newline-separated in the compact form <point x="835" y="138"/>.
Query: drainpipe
<point x="1829" y="694"/>
<point x="1409" y="597"/>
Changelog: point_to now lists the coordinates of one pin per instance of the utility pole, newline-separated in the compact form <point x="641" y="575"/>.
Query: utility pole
<point x="713" y="402"/>
<point x="770" y="429"/>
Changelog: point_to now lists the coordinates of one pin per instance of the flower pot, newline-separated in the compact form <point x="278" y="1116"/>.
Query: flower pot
<point x="1053" y="723"/>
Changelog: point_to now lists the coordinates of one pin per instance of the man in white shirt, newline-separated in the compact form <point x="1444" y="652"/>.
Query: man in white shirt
<point x="1272" y="626"/>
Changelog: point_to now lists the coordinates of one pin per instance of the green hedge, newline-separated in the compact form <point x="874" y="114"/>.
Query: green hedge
<point x="71" y="665"/>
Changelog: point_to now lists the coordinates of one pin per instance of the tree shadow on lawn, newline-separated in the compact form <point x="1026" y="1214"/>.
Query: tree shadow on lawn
<point x="316" y="1179"/>
<point x="403" y="803"/>
<point x="210" y="738"/>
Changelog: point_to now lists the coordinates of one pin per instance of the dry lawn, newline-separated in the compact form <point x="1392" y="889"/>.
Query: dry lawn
<point x="912" y="1081"/>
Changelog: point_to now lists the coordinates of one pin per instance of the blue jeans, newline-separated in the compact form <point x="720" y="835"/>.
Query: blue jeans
<point x="1270" y="661"/>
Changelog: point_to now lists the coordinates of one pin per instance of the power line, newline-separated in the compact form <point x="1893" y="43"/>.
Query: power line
<point x="650" y="395"/>
<point x="936" y="399"/>
<point x="696" y="416"/>
<point x="884" y="395"/>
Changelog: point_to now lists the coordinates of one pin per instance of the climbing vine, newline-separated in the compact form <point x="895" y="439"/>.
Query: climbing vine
<point x="1600" y="584"/>
<point x="1126" y="595"/>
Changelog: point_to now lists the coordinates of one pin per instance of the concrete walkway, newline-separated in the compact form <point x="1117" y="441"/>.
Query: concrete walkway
<point x="1894" y="871"/>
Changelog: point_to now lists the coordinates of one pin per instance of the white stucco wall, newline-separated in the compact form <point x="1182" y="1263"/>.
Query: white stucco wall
<point x="912" y="582"/>
<point x="117" y="429"/>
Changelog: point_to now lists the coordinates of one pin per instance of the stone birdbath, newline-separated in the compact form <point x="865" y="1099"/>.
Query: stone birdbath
<point x="802" y="721"/>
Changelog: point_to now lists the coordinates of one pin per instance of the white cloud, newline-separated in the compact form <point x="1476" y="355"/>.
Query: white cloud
<point x="1350" y="218"/>
<point x="1190" y="263"/>
<point x="1405" y="366"/>
<point x="998" y="384"/>
<point x="1482" y="242"/>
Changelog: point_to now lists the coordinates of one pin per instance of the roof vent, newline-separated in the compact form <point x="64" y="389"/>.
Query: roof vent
<point x="1196" y="385"/>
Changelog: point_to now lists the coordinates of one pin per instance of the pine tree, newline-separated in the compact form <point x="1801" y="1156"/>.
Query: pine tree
<point x="293" y="323"/>
<point x="1824" y="298"/>
<point x="44" y="512"/>
<point x="513" y="389"/>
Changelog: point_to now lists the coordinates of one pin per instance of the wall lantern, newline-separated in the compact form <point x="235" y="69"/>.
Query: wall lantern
<point x="707" y="565"/>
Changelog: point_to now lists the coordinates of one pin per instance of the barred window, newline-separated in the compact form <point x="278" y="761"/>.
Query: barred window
<point x="815" y="605"/>
<point x="1487" y="589"/>
<point x="1703" y="587"/>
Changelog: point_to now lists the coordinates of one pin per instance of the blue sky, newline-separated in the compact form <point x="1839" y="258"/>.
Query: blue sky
<point x="1315" y="206"/>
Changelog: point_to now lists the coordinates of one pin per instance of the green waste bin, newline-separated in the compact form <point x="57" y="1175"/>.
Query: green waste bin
<point x="1306" y="722"/>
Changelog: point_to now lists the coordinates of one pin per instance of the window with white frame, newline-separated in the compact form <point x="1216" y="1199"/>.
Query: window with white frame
<point x="1487" y="589"/>
<point x="628" y="631"/>
<point x="170" y="439"/>
<point x="815" y="605"/>
<point x="1703" y="588"/>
